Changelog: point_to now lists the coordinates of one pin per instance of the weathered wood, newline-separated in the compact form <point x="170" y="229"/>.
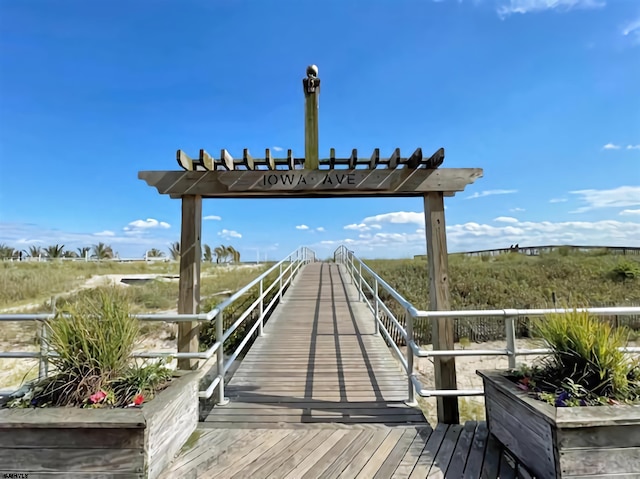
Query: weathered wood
<point x="247" y="160"/>
<point x="375" y="159"/>
<point x="189" y="284"/>
<point x="443" y="328"/>
<point x="311" y="85"/>
<point x="353" y="159"/>
<point x="332" y="158"/>
<point x="415" y="159"/>
<point x="48" y="418"/>
<point x="291" y="162"/>
<point x="207" y="161"/>
<point x="462" y="449"/>
<point x="304" y="183"/>
<point x="73" y="437"/>
<point x="227" y="160"/>
<point x="271" y="164"/>
<point x="429" y="452"/>
<point x="435" y="160"/>
<point x="64" y="459"/>
<point x="184" y="161"/>
<point x="445" y="452"/>
<point x="394" y="159"/>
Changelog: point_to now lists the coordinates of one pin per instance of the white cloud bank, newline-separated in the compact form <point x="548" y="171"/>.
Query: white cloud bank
<point x="212" y="218"/>
<point x="146" y="224"/>
<point x="397" y="217"/>
<point x="302" y="227"/>
<point x="482" y="194"/>
<point x="620" y="197"/>
<point x="630" y="212"/>
<point x="611" y="146"/>
<point x="534" y="6"/>
<point x="228" y="234"/>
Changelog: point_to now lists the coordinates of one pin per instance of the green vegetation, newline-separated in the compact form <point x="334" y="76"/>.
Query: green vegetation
<point x="585" y="368"/>
<point x="93" y="340"/>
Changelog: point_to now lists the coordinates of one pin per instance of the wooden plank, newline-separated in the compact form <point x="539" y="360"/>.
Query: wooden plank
<point x="435" y="160"/>
<point x="47" y="418"/>
<point x="491" y="462"/>
<point x="291" y="162"/>
<point x="308" y="446"/>
<point x="599" y="436"/>
<point x="462" y="450"/>
<point x="415" y="159"/>
<point x="271" y="164"/>
<point x="247" y="160"/>
<point x="207" y="161"/>
<point x="375" y="159"/>
<point x="324" y="461"/>
<point x="42" y="460"/>
<point x="305" y="183"/>
<point x="318" y="418"/>
<point x="90" y="438"/>
<point x="381" y="454"/>
<point x="345" y="457"/>
<point x="227" y="160"/>
<point x="428" y="455"/>
<point x="189" y="460"/>
<point x="412" y="455"/>
<point x="395" y="457"/>
<point x="392" y="162"/>
<point x="212" y="455"/>
<point x="442" y="328"/>
<point x="365" y="454"/>
<point x="507" y="468"/>
<point x="184" y="161"/>
<point x="303" y="467"/>
<point x="189" y="284"/>
<point x="473" y="467"/>
<point x="600" y="462"/>
<point x="353" y="159"/>
<point x="283" y="447"/>
<point x="445" y="452"/>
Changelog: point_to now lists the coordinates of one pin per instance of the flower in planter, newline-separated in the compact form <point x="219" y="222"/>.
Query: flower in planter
<point x="137" y="400"/>
<point x="97" y="397"/>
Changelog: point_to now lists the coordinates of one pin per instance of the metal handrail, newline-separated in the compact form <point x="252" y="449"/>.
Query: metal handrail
<point x="288" y="267"/>
<point x="355" y="266"/>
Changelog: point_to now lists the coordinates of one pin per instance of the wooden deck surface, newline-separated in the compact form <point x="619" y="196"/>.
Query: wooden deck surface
<point x="319" y="361"/>
<point x="334" y="451"/>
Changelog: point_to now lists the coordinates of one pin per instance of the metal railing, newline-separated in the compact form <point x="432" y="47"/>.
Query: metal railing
<point x="356" y="267"/>
<point x="287" y="270"/>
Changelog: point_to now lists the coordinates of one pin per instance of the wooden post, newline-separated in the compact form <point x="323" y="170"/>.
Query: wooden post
<point x="442" y="328"/>
<point x="311" y="86"/>
<point x="189" y="287"/>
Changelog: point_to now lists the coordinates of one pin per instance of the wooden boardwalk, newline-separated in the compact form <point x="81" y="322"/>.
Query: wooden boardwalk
<point x="318" y="362"/>
<point x="320" y="396"/>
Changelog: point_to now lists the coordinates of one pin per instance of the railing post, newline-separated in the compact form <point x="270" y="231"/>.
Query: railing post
<point x="360" y="293"/>
<point x="510" y="330"/>
<point x="376" y="308"/>
<point x="261" y="319"/>
<point x="409" y="330"/>
<point x="220" y="360"/>
<point x="43" y="363"/>
<point x="280" y="292"/>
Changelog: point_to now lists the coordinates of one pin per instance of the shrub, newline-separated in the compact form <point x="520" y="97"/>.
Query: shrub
<point x="626" y="270"/>
<point x="585" y="366"/>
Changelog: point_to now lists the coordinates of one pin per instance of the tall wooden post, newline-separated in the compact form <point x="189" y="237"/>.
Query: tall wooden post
<point x="311" y="86"/>
<point x="442" y="328"/>
<point x="189" y="287"/>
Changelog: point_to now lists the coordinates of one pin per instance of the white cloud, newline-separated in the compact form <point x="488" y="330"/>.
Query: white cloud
<point x="630" y="212"/>
<point x="362" y="227"/>
<point x="620" y="197"/>
<point x="320" y="229"/>
<point x="505" y="219"/>
<point x="104" y="233"/>
<point x="509" y="7"/>
<point x="212" y="217"/>
<point x="229" y="234"/>
<point x="633" y="147"/>
<point x="397" y="217"/>
<point x="611" y="146"/>
<point x="482" y="194"/>
<point x="558" y="200"/>
<point x="633" y="30"/>
<point x="302" y="227"/>
<point x="277" y="148"/>
<point x="146" y="224"/>
<point x="516" y="210"/>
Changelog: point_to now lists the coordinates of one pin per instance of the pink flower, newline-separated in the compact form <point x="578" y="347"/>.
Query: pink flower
<point x="97" y="397"/>
<point x="138" y="399"/>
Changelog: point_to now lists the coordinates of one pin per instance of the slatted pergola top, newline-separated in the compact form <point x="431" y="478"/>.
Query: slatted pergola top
<point x="229" y="177"/>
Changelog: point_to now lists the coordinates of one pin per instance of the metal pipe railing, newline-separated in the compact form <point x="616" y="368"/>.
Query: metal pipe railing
<point x="345" y="256"/>
<point x="289" y="267"/>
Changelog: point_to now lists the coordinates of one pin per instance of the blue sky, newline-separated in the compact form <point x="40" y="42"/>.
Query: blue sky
<point x="544" y="95"/>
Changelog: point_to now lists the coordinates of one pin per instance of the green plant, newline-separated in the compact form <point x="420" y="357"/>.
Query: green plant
<point x="586" y="365"/>
<point x="626" y="270"/>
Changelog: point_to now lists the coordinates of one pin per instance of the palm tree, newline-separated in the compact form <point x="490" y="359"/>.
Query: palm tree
<point x="233" y="254"/>
<point x="7" y="252"/>
<point x="154" y="253"/>
<point x="69" y="254"/>
<point x="208" y="253"/>
<point x="174" y="250"/>
<point x="102" y="251"/>
<point x="34" y="251"/>
<point x="84" y="251"/>
<point x="220" y="252"/>
<point x="54" y="251"/>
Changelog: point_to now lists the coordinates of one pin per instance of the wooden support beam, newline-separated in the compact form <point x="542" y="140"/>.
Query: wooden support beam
<point x="207" y="161"/>
<point x="184" y="161"/>
<point x="227" y="160"/>
<point x="353" y="159"/>
<point x="393" y="159"/>
<point x="414" y="160"/>
<point x="332" y="158"/>
<point x="375" y="159"/>
<point x="271" y="164"/>
<point x="442" y="328"/>
<point x="290" y="160"/>
<point x="311" y="85"/>
<point x="247" y="160"/>
<point x="189" y="285"/>
<point x="435" y="160"/>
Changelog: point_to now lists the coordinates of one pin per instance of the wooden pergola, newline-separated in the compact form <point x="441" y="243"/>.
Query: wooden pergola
<point x="312" y="177"/>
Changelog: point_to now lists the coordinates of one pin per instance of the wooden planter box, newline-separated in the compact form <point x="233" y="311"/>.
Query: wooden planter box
<point x="591" y="441"/>
<point x="106" y="443"/>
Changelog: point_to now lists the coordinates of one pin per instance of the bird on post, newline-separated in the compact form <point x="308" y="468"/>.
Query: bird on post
<point x="311" y="86"/>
